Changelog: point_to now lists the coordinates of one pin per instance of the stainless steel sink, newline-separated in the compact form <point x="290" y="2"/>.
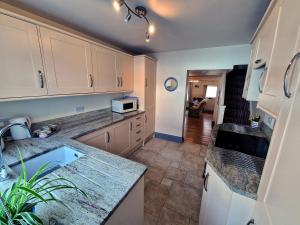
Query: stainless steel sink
<point x="56" y="158"/>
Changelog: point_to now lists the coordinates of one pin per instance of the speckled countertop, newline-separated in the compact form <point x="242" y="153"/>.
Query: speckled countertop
<point x="106" y="178"/>
<point x="241" y="172"/>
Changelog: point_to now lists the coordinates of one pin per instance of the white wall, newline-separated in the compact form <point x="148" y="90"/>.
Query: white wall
<point x="44" y="109"/>
<point x="170" y="105"/>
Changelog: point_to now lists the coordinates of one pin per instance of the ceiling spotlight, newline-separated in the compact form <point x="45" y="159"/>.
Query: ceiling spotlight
<point x="147" y="37"/>
<point x="151" y="29"/>
<point x="128" y="17"/>
<point x="117" y="4"/>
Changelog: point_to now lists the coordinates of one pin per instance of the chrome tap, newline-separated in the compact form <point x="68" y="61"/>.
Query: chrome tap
<point x="3" y="171"/>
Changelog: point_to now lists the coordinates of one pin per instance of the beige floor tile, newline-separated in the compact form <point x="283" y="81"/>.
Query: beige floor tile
<point x="194" y="181"/>
<point x="171" y="154"/>
<point x="170" y="217"/>
<point x="155" y="174"/>
<point x="149" y="219"/>
<point x="167" y="182"/>
<point x="160" y="162"/>
<point x="155" y="197"/>
<point x="184" y="200"/>
<point x="175" y="174"/>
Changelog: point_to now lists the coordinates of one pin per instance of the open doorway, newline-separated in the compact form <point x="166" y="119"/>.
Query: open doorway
<point x="204" y="101"/>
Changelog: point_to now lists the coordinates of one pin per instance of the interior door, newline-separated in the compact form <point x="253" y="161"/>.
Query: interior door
<point x="22" y="72"/>
<point x="120" y="139"/>
<point x="68" y="63"/>
<point x="104" y="69"/>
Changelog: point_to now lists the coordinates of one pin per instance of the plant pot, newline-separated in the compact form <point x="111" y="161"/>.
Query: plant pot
<point x="254" y="124"/>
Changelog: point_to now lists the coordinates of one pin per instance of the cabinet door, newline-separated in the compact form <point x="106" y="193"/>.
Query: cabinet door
<point x="97" y="139"/>
<point x="251" y="86"/>
<point x="284" y="50"/>
<point x="20" y="59"/>
<point x="120" y="138"/>
<point x="150" y="83"/>
<point x="149" y="121"/>
<point x="217" y="202"/>
<point x="125" y="71"/>
<point x="68" y="63"/>
<point x="104" y="69"/>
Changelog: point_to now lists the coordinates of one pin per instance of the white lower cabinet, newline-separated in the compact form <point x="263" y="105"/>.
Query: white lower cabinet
<point x="131" y="209"/>
<point x="120" y="138"/>
<point x="221" y="206"/>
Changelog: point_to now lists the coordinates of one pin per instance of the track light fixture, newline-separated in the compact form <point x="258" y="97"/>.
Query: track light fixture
<point x="139" y="12"/>
<point x="128" y="17"/>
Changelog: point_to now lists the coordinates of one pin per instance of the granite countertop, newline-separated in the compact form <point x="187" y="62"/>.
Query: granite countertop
<point x="241" y="172"/>
<point x="106" y="178"/>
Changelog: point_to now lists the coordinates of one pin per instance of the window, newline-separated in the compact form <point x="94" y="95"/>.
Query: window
<point x="211" y="91"/>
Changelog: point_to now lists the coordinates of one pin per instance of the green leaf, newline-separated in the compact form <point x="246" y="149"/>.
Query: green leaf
<point x="33" y="193"/>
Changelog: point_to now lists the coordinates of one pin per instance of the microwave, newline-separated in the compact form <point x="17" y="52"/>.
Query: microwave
<point x="124" y="105"/>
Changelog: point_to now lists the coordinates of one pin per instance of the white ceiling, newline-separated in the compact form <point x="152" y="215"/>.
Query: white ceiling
<point x="180" y="24"/>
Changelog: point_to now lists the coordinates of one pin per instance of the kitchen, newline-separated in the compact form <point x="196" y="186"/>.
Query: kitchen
<point x="67" y="80"/>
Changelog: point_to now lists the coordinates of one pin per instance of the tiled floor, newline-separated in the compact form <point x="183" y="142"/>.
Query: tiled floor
<point x="173" y="182"/>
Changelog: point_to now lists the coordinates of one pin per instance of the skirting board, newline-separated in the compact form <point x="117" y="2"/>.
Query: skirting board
<point x="169" y="137"/>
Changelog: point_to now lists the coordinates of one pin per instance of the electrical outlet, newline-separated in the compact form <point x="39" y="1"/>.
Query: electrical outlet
<point x="79" y="109"/>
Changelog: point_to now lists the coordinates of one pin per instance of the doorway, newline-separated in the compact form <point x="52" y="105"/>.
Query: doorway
<point x="204" y="97"/>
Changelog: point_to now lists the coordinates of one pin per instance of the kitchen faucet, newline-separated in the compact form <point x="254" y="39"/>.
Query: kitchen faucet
<point x="3" y="172"/>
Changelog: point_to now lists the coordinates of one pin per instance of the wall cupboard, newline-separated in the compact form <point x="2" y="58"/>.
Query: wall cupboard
<point x="120" y="138"/>
<point x="68" y="63"/>
<point x="39" y="61"/>
<point x="22" y="71"/>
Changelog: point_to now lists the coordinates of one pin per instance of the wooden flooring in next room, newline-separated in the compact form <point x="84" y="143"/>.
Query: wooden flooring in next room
<point x="198" y="130"/>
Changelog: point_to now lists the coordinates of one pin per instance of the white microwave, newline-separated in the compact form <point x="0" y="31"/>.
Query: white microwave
<point x="124" y="105"/>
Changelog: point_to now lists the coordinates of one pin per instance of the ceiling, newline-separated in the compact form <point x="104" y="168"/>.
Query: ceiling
<point x="180" y="24"/>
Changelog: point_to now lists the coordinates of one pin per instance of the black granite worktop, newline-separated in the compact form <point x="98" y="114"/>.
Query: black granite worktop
<point x="241" y="172"/>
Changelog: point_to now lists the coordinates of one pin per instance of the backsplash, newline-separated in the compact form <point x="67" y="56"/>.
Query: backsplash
<point x="50" y="108"/>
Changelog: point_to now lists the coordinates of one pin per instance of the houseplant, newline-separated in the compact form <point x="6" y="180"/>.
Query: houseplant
<point x="254" y="121"/>
<point x="18" y="201"/>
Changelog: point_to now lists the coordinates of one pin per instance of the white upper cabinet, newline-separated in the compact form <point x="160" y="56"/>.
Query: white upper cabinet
<point x="125" y="71"/>
<point x="22" y="73"/>
<point x="104" y="69"/>
<point x="68" y="63"/>
<point x="284" y="50"/>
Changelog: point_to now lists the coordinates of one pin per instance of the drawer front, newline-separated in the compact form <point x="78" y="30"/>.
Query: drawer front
<point x="137" y="136"/>
<point x="138" y="122"/>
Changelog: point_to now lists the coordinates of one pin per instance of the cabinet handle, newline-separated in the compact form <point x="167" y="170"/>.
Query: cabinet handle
<point x="138" y="132"/>
<point x="91" y="80"/>
<point x="204" y="171"/>
<point x="130" y="125"/>
<point x="118" y="82"/>
<point x="138" y="139"/>
<point x="146" y="82"/>
<point x="146" y="118"/>
<point x="251" y="222"/>
<point x="108" y="137"/>
<point x="287" y="93"/>
<point x="260" y="79"/>
<point x="121" y="78"/>
<point x="138" y="118"/>
<point x="205" y="182"/>
<point x="41" y="78"/>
